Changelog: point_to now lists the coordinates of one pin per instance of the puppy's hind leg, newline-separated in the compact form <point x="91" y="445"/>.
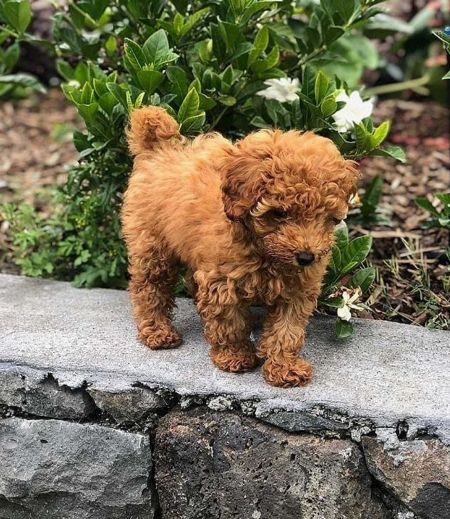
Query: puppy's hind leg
<point x="153" y="271"/>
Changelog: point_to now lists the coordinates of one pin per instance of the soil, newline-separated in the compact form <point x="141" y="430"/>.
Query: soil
<point x="413" y="270"/>
<point x="412" y="261"/>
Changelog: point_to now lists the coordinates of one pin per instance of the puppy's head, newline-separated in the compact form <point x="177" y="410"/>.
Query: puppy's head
<point x="289" y="190"/>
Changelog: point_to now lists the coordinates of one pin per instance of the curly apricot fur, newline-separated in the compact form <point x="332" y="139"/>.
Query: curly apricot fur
<point x="212" y="206"/>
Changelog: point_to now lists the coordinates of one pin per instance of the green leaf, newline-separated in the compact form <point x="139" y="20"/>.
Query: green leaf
<point x="382" y="25"/>
<point x="178" y="22"/>
<point x="333" y="302"/>
<point x="107" y="101"/>
<point x="424" y="203"/>
<point x="321" y="86"/>
<point x="363" y="138"/>
<point x="259" y="45"/>
<point x="80" y="141"/>
<point x="380" y="134"/>
<point x="11" y="56"/>
<point x="119" y="92"/>
<point x="179" y="81"/>
<point x="341" y="235"/>
<point x="259" y="122"/>
<point x="189" y="106"/>
<point x="332" y="33"/>
<point x="218" y="45"/>
<point x="336" y="258"/>
<point x="363" y="279"/>
<point x="355" y="253"/>
<point x="269" y="62"/>
<point x="344" y="329"/>
<point x="442" y="36"/>
<point x="372" y="197"/>
<point x="394" y="152"/>
<point x="134" y="53"/>
<point x="231" y="35"/>
<point x="254" y="8"/>
<point x="149" y="80"/>
<point x="206" y="102"/>
<point x="227" y="100"/>
<point x="444" y="198"/>
<point x="111" y="45"/>
<point x="193" y="124"/>
<point x="156" y="49"/>
<point x="193" y="20"/>
<point x="17" y="13"/>
<point x="24" y="80"/>
<point x="328" y="106"/>
<point x="88" y="111"/>
<point x="64" y="69"/>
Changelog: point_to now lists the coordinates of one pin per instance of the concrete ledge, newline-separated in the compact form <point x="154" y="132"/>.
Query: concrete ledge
<point x="164" y="434"/>
<point x="387" y="374"/>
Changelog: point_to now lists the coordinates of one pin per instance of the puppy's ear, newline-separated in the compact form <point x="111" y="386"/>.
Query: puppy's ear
<point x="352" y="175"/>
<point x="241" y="182"/>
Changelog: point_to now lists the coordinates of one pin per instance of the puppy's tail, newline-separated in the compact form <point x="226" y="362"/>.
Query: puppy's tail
<point x="149" y="127"/>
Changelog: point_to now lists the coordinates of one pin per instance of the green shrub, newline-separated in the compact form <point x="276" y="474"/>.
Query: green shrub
<point x="213" y="65"/>
<point x="15" y="17"/>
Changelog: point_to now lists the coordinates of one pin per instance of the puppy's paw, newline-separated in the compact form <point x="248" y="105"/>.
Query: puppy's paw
<point x="162" y="337"/>
<point x="295" y="372"/>
<point x="233" y="359"/>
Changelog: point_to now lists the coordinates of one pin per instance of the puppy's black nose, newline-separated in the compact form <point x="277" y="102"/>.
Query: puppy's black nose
<point x="305" y="258"/>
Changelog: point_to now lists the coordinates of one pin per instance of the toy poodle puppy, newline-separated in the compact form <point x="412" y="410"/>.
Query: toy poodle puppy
<point x="253" y="222"/>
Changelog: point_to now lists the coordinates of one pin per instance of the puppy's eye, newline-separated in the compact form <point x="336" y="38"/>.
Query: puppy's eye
<point x="277" y="213"/>
<point x="336" y="221"/>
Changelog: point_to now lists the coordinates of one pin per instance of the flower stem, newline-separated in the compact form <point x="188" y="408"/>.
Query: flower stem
<point x="397" y="87"/>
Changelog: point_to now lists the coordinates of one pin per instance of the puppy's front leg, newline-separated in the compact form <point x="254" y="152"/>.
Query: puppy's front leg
<point x="283" y="337"/>
<point x="227" y="324"/>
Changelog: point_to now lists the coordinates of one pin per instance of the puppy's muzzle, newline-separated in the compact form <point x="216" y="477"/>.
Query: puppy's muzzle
<point x="304" y="258"/>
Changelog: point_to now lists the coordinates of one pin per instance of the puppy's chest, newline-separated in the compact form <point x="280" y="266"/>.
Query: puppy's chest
<point x="265" y="286"/>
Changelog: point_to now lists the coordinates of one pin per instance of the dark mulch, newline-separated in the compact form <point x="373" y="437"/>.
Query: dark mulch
<point x="414" y="274"/>
<point x="35" y="144"/>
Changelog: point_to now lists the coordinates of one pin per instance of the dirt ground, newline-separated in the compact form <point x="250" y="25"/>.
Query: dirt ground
<point x="413" y="271"/>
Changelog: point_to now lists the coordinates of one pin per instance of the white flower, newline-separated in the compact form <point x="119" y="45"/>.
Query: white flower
<point x="283" y="89"/>
<point x="354" y="111"/>
<point x="344" y="312"/>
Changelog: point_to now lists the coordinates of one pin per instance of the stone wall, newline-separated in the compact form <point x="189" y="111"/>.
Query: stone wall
<point x="150" y="453"/>
<point x="93" y="425"/>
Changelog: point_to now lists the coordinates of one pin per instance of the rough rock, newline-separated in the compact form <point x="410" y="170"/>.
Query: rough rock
<point x="211" y="465"/>
<point x="133" y="405"/>
<point x="43" y="396"/>
<point x="417" y="472"/>
<point x="301" y="422"/>
<point x="58" y="470"/>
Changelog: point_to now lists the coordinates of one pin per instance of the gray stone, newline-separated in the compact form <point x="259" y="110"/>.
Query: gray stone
<point x="210" y="465"/>
<point x="133" y="405"/>
<point x="385" y="374"/>
<point x="417" y="472"/>
<point x="43" y="396"/>
<point x="58" y="470"/>
<point x="301" y="422"/>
